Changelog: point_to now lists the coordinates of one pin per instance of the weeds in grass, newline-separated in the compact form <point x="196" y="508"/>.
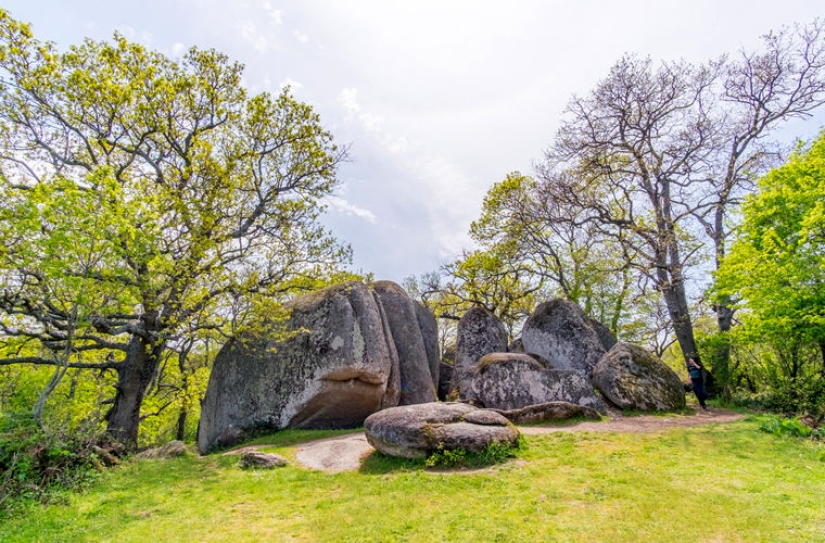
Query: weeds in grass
<point x="794" y="427"/>
<point x="494" y="453"/>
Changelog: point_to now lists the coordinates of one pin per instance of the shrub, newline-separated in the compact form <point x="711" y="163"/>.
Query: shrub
<point x="36" y="464"/>
<point x="494" y="453"/>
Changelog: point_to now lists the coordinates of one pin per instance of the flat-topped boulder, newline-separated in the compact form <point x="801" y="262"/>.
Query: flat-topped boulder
<point x="510" y="381"/>
<point x="416" y="431"/>
<point x="631" y="377"/>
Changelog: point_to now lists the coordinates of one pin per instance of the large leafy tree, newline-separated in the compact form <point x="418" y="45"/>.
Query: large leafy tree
<point x="536" y="242"/>
<point x="659" y="157"/>
<point x="144" y="201"/>
<point x="776" y="268"/>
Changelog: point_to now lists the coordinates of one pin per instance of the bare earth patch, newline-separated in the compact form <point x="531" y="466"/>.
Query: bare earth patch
<point x="642" y="423"/>
<point x="345" y="453"/>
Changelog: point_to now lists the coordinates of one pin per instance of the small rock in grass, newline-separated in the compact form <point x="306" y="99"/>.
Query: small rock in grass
<point x="259" y="460"/>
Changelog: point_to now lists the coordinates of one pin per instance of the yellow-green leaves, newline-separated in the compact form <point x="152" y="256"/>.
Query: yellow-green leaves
<point x="776" y="267"/>
<point x="153" y="195"/>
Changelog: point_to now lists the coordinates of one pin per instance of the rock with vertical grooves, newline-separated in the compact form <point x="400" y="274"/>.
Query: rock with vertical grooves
<point x="413" y="362"/>
<point x="429" y="333"/>
<point x="479" y="333"/>
<point x="338" y="366"/>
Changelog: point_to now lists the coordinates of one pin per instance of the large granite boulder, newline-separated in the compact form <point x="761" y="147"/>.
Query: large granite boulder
<point x="559" y="332"/>
<point x="416" y="431"/>
<point x="630" y="377"/>
<point x="479" y="333"/>
<point x="604" y="333"/>
<point x="510" y="381"/>
<point x="339" y="366"/>
<point x="429" y="334"/>
<point x="417" y="383"/>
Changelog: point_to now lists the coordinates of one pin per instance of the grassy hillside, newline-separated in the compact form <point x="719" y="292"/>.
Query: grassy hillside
<point x="712" y="483"/>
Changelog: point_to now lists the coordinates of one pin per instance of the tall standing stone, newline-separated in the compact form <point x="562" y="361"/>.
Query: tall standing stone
<point x="413" y="363"/>
<point x="479" y="333"/>
<point x="429" y="333"/>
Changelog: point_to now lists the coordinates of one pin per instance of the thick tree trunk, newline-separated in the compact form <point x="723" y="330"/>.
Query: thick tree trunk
<point x="138" y="369"/>
<point x="673" y="291"/>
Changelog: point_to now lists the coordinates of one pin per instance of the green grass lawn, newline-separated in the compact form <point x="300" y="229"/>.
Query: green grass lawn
<point x="714" y="483"/>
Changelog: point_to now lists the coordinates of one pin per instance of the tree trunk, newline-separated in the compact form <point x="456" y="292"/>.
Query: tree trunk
<point x="181" y="432"/>
<point x="822" y="351"/>
<point x="133" y="378"/>
<point x="677" y="307"/>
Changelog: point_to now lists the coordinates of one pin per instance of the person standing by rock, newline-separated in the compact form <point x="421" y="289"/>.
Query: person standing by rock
<point x="697" y="380"/>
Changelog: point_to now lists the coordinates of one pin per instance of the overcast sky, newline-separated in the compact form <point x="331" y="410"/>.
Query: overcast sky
<point x="438" y="100"/>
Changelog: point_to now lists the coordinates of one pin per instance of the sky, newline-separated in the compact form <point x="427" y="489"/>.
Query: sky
<point x="436" y="100"/>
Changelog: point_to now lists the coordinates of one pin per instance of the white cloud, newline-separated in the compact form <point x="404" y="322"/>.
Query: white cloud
<point x="275" y="14"/>
<point x="348" y="98"/>
<point x="249" y="32"/>
<point x="342" y="206"/>
<point x="178" y="50"/>
<point x="300" y="36"/>
<point x="291" y="83"/>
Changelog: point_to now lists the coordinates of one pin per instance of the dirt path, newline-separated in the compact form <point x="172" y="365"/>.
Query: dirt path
<point x="345" y="453"/>
<point x="643" y="423"/>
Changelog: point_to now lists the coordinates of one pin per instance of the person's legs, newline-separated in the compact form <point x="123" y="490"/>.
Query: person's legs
<point x="699" y="390"/>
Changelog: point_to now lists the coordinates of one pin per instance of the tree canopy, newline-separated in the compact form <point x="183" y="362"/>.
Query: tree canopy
<point x="658" y="157"/>
<point x="145" y="201"/>
<point x="776" y="268"/>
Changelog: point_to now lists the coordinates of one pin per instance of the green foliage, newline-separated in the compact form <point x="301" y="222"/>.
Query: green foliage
<point x="149" y="204"/>
<point x="494" y="453"/>
<point x="792" y="427"/>
<point x="776" y="267"/>
<point x="775" y="272"/>
<point x="40" y="465"/>
<point x="530" y="251"/>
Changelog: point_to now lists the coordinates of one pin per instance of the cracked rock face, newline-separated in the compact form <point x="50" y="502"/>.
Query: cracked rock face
<point x="479" y="333"/>
<point x="416" y="431"/>
<point x="513" y="381"/>
<point x="630" y="377"/>
<point x="353" y="349"/>
<point x="560" y="332"/>
<point x="339" y="366"/>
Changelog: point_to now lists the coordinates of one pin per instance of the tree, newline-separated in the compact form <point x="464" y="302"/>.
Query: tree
<point x="659" y="157"/>
<point x="538" y="242"/>
<point x="145" y="201"/>
<point x="775" y="269"/>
